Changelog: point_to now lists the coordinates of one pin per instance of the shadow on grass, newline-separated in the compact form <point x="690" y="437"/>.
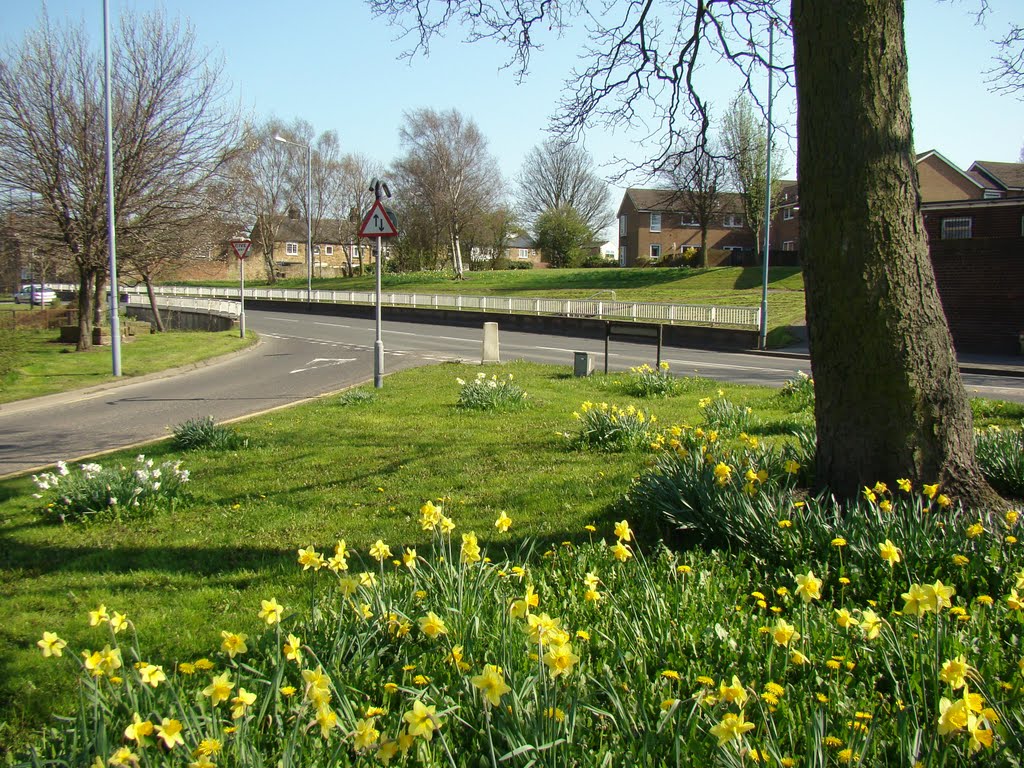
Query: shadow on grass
<point x="753" y="277"/>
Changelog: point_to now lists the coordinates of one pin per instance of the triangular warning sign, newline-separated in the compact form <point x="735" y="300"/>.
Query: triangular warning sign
<point x="377" y="223"/>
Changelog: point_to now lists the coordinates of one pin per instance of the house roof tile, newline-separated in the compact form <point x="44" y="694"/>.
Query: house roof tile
<point x="1006" y="175"/>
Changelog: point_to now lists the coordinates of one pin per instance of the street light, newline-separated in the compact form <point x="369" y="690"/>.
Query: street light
<point x="115" y="297"/>
<point x="309" y="212"/>
<point x="763" y="330"/>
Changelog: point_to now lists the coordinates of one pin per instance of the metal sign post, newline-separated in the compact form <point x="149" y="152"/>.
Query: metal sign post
<point x="378" y="223"/>
<point x="241" y="249"/>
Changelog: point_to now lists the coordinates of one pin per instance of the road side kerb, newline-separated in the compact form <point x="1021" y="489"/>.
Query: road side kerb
<point x="1001" y="366"/>
<point x="71" y="396"/>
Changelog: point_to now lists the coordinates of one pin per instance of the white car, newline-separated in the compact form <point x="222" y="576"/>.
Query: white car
<point x="35" y="294"/>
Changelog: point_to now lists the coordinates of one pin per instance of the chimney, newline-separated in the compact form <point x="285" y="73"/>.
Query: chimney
<point x="293" y="212"/>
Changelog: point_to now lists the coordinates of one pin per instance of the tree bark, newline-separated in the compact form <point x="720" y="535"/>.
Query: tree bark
<point x="157" y="320"/>
<point x="84" y="311"/>
<point x="889" y="401"/>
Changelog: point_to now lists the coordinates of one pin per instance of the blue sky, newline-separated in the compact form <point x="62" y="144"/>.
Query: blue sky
<point x="331" y="63"/>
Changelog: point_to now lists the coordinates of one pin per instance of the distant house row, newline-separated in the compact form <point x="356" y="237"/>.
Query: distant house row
<point x="986" y="200"/>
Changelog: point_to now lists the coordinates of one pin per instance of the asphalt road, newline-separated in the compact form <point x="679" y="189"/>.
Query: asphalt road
<point x="302" y="357"/>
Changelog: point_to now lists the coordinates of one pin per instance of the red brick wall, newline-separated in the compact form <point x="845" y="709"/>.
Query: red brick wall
<point x="981" y="283"/>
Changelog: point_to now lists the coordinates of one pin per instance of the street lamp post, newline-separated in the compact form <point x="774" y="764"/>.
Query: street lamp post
<point x="763" y="330"/>
<point x="309" y="212"/>
<point x="115" y="327"/>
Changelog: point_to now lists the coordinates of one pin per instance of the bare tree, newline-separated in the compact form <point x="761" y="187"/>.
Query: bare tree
<point x="746" y="148"/>
<point x="1007" y="76"/>
<point x="446" y="158"/>
<point x="697" y="180"/>
<point x="170" y="134"/>
<point x="353" y="201"/>
<point x="889" y="398"/>
<point x="560" y="174"/>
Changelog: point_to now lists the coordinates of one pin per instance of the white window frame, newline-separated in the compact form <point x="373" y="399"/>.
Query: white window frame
<point x="328" y="250"/>
<point x="733" y="220"/>
<point x="954" y="228"/>
<point x="787" y="214"/>
<point x="688" y="220"/>
<point x="655" y="258"/>
<point x="622" y="225"/>
<point x="655" y="225"/>
<point x="291" y="249"/>
<point x="788" y="245"/>
<point x="524" y="253"/>
<point x="316" y="250"/>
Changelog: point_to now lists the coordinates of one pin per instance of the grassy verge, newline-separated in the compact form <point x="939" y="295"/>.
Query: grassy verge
<point x="44" y="366"/>
<point x="359" y="468"/>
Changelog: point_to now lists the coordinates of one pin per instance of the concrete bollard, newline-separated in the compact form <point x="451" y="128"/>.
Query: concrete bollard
<point x="583" y="364"/>
<point x="490" y="352"/>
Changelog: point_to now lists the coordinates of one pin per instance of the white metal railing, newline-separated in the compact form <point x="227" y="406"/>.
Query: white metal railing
<point x="646" y="312"/>
<point x="209" y="306"/>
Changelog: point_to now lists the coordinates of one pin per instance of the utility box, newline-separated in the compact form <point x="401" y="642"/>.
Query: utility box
<point x="583" y="364"/>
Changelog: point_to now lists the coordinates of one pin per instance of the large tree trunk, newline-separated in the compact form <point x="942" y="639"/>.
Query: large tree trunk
<point x="84" y="310"/>
<point x="890" y="402"/>
<point x="98" y="299"/>
<point x="157" y="320"/>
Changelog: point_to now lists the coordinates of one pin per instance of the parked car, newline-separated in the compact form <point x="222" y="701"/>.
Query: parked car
<point x="35" y="294"/>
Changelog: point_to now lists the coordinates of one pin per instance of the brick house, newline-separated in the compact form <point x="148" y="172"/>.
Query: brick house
<point x="519" y="250"/>
<point x="656" y="227"/>
<point x="333" y="246"/>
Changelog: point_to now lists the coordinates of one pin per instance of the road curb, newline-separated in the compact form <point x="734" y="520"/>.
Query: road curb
<point x="975" y="368"/>
<point x="61" y="398"/>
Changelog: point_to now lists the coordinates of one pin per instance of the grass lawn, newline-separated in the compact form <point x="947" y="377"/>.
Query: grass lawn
<point x="358" y="469"/>
<point x="679" y="285"/>
<point x="44" y="366"/>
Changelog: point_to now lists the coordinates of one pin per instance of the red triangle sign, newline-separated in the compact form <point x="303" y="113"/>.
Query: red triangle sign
<point x="377" y="223"/>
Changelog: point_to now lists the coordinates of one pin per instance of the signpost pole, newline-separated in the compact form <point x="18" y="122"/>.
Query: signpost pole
<point x="378" y="344"/>
<point x="241" y="297"/>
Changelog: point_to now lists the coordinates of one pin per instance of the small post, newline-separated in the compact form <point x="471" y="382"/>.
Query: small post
<point x="241" y="297"/>
<point x="378" y="344"/>
<point x="490" y="351"/>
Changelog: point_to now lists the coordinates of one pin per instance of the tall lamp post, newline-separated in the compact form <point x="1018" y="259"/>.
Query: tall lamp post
<point x="763" y="330"/>
<point x="309" y="211"/>
<point x="115" y="327"/>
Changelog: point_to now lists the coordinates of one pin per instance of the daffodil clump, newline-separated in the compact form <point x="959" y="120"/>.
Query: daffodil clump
<point x="93" y="491"/>
<point x="589" y="655"/>
<point x="488" y="394"/>
<point x="607" y="427"/>
<point x="722" y="414"/>
<point x="645" y="381"/>
<point x="1000" y="453"/>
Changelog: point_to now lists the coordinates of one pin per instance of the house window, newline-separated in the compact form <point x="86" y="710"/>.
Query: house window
<point x="733" y="220"/>
<point x="291" y="249"/>
<point x="622" y="226"/>
<point x="622" y="256"/>
<point x="328" y="250"/>
<point x="655" y="252"/>
<point x="956" y="228"/>
<point x="787" y="214"/>
<point x="688" y="220"/>
<point x="655" y="222"/>
<point x="316" y="250"/>
<point x="524" y="253"/>
<point x="788" y="245"/>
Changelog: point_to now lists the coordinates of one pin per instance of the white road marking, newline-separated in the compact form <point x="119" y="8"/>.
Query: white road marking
<point x="333" y="325"/>
<point x="323" y="362"/>
<point x="701" y="364"/>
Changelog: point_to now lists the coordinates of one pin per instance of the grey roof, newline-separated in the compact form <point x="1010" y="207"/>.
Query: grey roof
<point x="521" y="242"/>
<point x="1006" y="175"/>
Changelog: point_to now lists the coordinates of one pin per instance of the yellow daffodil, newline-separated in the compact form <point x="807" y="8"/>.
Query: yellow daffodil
<point x="118" y="622"/>
<point x="784" y="633"/>
<point x="220" y="689"/>
<point x="732" y="727"/>
<point x="491" y="683"/>
<point x="152" y="674"/>
<point x="233" y="643"/>
<point x="310" y="558"/>
<point x="421" y="720"/>
<point x="621" y="552"/>
<point x="470" y="552"/>
<point x="560" y="659"/>
<point x="938" y="596"/>
<point x="380" y="551"/>
<point x="954" y="672"/>
<point x="51" y="645"/>
<point x="169" y="731"/>
<point x="1013" y="600"/>
<point x="365" y="734"/>
<point x="432" y="625"/>
<point x="327" y="719"/>
<point x="293" y="649"/>
<point x="123" y="757"/>
<point x="503" y="523"/>
<point x="808" y="586"/>
<point x="734" y="692"/>
<point x="139" y="730"/>
<point x="623" y="531"/>
<point x="240" y="704"/>
<point x="270" y="611"/>
<point x="930" y="490"/>
<point x="871" y="624"/>
<point x="889" y="552"/>
<point x="904" y="484"/>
